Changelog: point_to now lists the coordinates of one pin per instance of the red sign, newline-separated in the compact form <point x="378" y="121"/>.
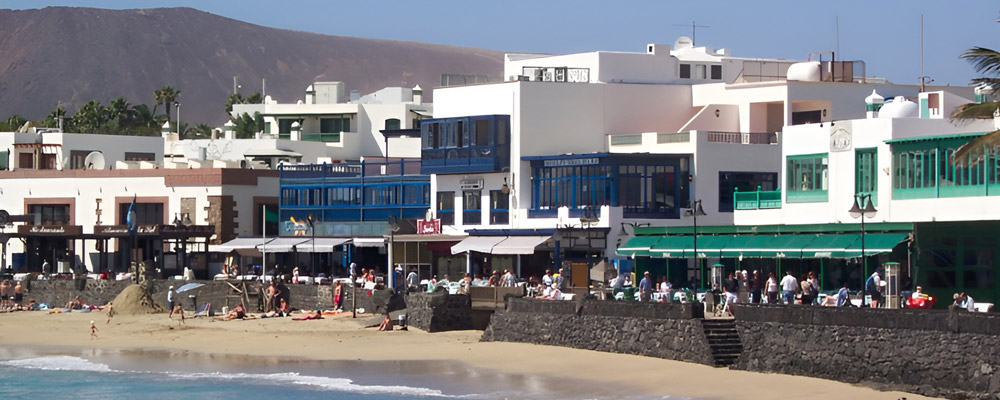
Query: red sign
<point x="428" y="226"/>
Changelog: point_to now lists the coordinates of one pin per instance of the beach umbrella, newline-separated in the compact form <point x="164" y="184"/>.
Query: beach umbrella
<point x="189" y="286"/>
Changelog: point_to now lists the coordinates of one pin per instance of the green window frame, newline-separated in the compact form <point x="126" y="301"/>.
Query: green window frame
<point x="4" y="156"/>
<point x="926" y="169"/>
<point x="866" y="173"/>
<point x="335" y="124"/>
<point x="807" y="178"/>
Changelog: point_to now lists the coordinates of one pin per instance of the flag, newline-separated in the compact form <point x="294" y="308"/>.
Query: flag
<point x="131" y="218"/>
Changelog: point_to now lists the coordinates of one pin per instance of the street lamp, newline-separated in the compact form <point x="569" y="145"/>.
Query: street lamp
<point x="177" y="105"/>
<point x="312" y="228"/>
<point x="694" y="212"/>
<point x="868" y="211"/>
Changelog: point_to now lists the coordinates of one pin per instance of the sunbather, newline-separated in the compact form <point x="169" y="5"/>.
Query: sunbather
<point x="386" y="324"/>
<point x="238" y="312"/>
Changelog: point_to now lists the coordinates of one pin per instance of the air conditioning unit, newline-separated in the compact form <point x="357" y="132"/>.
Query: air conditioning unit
<point x="471" y="184"/>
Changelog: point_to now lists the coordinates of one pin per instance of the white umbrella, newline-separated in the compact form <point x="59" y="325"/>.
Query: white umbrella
<point x="189" y="286"/>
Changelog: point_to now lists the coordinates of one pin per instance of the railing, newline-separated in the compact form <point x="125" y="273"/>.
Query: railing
<point x="758" y="199"/>
<point x="743" y="137"/>
<point x="678" y="137"/>
<point x="321" y="137"/>
<point x="626" y="139"/>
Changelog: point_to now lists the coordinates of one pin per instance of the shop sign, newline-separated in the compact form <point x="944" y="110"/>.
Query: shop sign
<point x="50" y="229"/>
<point x="428" y="226"/>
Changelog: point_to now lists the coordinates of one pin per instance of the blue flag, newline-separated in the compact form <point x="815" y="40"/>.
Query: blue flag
<point x="131" y="218"/>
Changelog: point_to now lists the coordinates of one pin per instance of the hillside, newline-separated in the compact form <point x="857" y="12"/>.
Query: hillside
<point x="73" y="55"/>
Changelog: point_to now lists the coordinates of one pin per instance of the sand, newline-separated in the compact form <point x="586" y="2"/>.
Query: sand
<point x="341" y="338"/>
<point x="135" y="300"/>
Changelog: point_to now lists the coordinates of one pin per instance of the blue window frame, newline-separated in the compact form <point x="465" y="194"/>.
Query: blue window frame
<point x="472" y="212"/>
<point x="499" y="208"/>
<point x="651" y="186"/>
<point x="446" y="207"/>
<point x="465" y="144"/>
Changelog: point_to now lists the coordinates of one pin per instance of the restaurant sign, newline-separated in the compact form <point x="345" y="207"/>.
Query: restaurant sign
<point x="122" y="230"/>
<point x="54" y="230"/>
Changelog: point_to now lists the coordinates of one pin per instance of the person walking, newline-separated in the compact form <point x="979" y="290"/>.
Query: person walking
<point x="756" y="287"/>
<point x="731" y="287"/>
<point x="772" y="288"/>
<point x="789" y="285"/>
<point x="170" y="302"/>
<point x="645" y="287"/>
<point x="873" y="289"/>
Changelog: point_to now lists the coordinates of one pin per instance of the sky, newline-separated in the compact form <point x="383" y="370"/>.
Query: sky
<point x="884" y="34"/>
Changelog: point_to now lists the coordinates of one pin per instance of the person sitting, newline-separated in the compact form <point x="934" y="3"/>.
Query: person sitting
<point x="386" y="324"/>
<point x="918" y="293"/>
<point x="965" y="301"/>
<point x="284" y="309"/>
<point x="32" y="305"/>
<point x="238" y="312"/>
<point x="75" y="303"/>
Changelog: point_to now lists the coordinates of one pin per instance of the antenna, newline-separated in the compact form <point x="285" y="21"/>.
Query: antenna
<point x="694" y="28"/>
<point x="836" y="25"/>
<point x="922" y="76"/>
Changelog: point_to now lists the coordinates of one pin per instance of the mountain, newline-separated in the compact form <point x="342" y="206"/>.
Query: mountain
<point x="74" y="55"/>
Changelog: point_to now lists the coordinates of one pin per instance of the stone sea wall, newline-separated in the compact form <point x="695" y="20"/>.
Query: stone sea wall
<point x="664" y="330"/>
<point x="438" y="311"/>
<point x="952" y="353"/>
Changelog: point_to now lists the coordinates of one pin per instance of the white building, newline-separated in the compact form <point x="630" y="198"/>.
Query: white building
<point x="605" y="142"/>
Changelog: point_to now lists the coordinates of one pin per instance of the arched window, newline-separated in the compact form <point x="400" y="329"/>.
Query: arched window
<point x="392" y="124"/>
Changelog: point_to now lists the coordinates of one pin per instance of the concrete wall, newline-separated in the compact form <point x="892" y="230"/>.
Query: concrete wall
<point x="661" y="330"/>
<point x="954" y="354"/>
<point x="439" y="311"/>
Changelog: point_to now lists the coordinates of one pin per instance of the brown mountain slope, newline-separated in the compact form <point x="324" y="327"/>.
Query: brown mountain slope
<point x="73" y="55"/>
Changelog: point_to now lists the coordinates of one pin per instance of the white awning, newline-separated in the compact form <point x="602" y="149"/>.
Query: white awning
<point x="519" y="244"/>
<point x="283" y="244"/>
<point x="271" y="153"/>
<point x="368" y="242"/>
<point x="323" y="245"/>
<point x="239" y="244"/>
<point x="482" y="244"/>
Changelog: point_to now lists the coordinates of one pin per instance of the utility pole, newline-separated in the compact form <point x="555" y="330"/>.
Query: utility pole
<point x="694" y="31"/>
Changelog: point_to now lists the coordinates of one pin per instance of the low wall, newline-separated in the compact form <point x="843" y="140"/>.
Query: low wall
<point x="439" y="311"/>
<point x="664" y="330"/>
<point x="949" y="353"/>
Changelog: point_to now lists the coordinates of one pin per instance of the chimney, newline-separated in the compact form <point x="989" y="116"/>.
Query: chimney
<point x="873" y="103"/>
<point x="418" y="95"/>
<point x="296" y="133"/>
<point x="230" y="130"/>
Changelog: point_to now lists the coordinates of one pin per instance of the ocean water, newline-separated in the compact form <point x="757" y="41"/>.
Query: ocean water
<point x="120" y="375"/>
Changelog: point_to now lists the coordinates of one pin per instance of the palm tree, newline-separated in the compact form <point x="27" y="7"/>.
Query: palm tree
<point x="166" y="96"/>
<point x="985" y="61"/>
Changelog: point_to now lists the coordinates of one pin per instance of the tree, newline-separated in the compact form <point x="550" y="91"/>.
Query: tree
<point x="166" y="96"/>
<point x="15" y="122"/>
<point x="236" y="98"/>
<point x="247" y="125"/>
<point x="987" y="62"/>
<point x="201" y="131"/>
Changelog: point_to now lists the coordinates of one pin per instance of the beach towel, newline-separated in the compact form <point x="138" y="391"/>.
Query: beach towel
<point x="308" y="317"/>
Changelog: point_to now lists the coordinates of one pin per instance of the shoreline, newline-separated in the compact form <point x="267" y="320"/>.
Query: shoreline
<point x="339" y="338"/>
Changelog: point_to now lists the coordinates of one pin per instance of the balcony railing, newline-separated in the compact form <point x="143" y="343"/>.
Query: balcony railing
<point x="742" y="137"/>
<point x="758" y="199"/>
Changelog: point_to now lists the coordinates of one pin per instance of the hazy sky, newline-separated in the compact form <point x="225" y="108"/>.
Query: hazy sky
<point x="884" y="34"/>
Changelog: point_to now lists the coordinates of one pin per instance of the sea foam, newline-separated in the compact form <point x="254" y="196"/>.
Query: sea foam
<point x="57" y="363"/>
<point x="326" y="383"/>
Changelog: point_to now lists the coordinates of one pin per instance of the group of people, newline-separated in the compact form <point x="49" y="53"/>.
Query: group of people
<point x="11" y="295"/>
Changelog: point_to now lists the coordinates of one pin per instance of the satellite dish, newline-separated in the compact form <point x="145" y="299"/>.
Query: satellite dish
<point x="94" y="160"/>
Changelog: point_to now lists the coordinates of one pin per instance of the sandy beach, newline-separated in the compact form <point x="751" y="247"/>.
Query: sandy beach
<point x="341" y="338"/>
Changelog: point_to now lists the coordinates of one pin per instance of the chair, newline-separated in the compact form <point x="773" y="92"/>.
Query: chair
<point x="204" y="311"/>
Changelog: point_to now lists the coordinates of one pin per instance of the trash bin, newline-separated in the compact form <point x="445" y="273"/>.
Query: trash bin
<point x="194" y="301"/>
<point x="402" y="319"/>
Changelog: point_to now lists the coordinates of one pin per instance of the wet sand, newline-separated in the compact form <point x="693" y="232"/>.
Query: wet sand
<point x="570" y="372"/>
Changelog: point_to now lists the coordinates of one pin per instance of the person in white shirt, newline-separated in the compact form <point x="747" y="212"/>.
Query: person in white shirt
<point x="547" y="278"/>
<point x="665" y="286"/>
<point x="772" y="289"/>
<point x="789" y="285"/>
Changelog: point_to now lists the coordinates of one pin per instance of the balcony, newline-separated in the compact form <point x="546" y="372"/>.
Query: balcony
<point x="757" y="200"/>
<point x="621" y="143"/>
<point x="474" y="144"/>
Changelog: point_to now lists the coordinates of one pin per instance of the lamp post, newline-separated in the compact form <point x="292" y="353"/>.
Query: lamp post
<point x="312" y="228"/>
<point x="694" y="212"/>
<point x="868" y="211"/>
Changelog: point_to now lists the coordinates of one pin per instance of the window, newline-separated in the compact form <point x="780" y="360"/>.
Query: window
<point x="807" y="117"/>
<point x="699" y="71"/>
<point x="25" y="161"/>
<point x="140" y="156"/>
<point x="807" y="178"/>
<point x="51" y="214"/>
<point x="3" y="160"/>
<point x="481" y="136"/>
<point x="146" y="213"/>
<point x="285" y="126"/>
<point x="732" y="181"/>
<point x="392" y="124"/>
<point x="446" y="207"/>
<point x="471" y="210"/>
<point x="865" y="175"/>
<point x="335" y="125"/>
<point x="685" y="71"/>
<point x="716" y="72"/>
<point x="499" y="209"/>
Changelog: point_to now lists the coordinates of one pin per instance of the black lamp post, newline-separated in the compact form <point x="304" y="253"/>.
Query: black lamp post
<point x="312" y="228"/>
<point x="694" y="212"/>
<point x="868" y="211"/>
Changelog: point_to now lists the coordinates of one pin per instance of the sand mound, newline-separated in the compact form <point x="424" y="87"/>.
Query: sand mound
<point x="136" y="300"/>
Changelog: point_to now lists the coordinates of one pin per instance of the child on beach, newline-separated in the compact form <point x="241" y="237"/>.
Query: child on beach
<point x="93" y="331"/>
<point x="386" y="324"/>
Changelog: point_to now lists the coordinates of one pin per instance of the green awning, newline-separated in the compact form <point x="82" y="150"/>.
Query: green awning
<point x="671" y="246"/>
<point x="767" y="246"/>
<point x="875" y="243"/>
<point x="828" y="246"/>
<point x="638" y="246"/>
<point x="710" y="246"/>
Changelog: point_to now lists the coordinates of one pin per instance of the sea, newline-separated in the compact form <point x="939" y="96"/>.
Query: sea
<point x="103" y="374"/>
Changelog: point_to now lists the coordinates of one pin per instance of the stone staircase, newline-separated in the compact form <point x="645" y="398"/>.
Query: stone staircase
<point x="723" y="339"/>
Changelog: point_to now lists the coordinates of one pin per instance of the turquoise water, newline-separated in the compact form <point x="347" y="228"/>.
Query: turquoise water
<point x="151" y="375"/>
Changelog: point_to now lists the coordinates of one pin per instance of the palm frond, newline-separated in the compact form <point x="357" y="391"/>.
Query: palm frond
<point x="994" y="83"/>
<point x="975" y="150"/>
<point x="975" y="110"/>
<point x="984" y="60"/>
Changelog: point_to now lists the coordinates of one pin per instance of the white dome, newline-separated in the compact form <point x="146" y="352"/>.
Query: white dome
<point x="899" y="107"/>
<point x="807" y="71"/>
<point x="874" y="98"/>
